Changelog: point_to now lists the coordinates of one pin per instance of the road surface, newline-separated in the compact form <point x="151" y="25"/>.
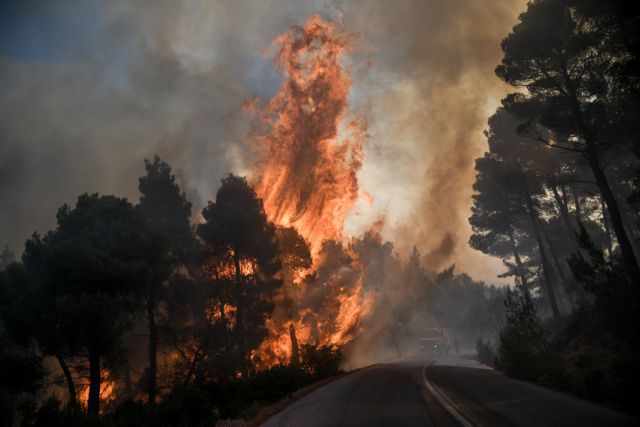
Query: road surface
<point x="443" y="392"/>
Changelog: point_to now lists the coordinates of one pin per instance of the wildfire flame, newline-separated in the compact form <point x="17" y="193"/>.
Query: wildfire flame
<point x="107" y="389"/>
<point x="307" y="173"/>
<point x="310" y="148"/>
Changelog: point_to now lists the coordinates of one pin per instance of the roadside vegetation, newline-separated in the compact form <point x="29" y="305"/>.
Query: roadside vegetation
<point x="557" y="199"/>
<point x="128" y="314"/>
<point x="198" y="404"/>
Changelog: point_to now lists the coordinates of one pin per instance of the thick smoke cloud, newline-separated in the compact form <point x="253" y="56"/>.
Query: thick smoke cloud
<point x="84" y="99"/>
<point x="80" y="116"/>
<point x="433" y="87"/>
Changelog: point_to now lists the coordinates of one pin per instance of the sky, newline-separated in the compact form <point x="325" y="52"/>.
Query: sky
<point x="89" y="89"/>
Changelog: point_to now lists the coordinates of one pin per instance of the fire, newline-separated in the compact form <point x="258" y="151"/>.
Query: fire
<point x="107" y="389"/>
<point x="224" y="269"/>
<point x="215" y="314"/>
<point x="307" y="173"/>
<point x="310" y="148"/>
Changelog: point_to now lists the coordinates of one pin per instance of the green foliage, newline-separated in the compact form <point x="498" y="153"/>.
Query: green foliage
<point x="236" y="223"/>
<point x="200" y="403"/>
<point x="51" y="413"/>
<point x="166" y="207"/>
<point x="75" y="291"/>
<point x="237" y="233"/>
<point x="577" y="61"/>
<point x="263" y="388"/>
<point x="603" y="344"/>
<point x="167" y="211"/>
<point x="524" y="350"/>
<point x="615" y="298"/>
<point x="6" y="257"/>
<point x="485" y="352"/>
<point x="21" y="371"/>
<point x="185" y="406"/>
<point x="241" y="397"/>
<point x="578" y="66"/>
<point x="597" y="363"/>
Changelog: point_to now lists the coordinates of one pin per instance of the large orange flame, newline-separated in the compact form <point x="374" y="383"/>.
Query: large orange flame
<point x="307" y="173"/>
<point x="310" y="150"/>
<point x="107" y="389"/>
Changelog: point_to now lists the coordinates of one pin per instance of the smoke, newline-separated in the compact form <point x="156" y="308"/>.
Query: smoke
<point x="86" y="97"/>
<point x="80" y="116"/>
<point x="432" y="88"/>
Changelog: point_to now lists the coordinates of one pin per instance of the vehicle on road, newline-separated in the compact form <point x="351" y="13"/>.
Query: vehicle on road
<point x="435" y="341"/>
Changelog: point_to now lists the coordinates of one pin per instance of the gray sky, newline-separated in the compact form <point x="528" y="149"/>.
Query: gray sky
<point x="88" y="89"/>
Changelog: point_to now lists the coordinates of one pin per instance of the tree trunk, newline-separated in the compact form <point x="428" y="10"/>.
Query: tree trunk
<point x="295" y="352"/>
<point x="615" y="215"/>
<point x="153" y="344"/>
<point x="564" y="214"/>
<point x="569" y="282"/>
<point x="128" y="384"/>
<point x="607" y="231"/>
<point x="516" y="255"/>
<point x="192" y="369"/>
<point x="198" y="356"/>
<point x="629" y="258"/>
<point x="631" y="227"/>
<point x="629" y="216"/>
<point x="194" y="363"/>
<point x="554" y="256"/>
<point x="565" y="200"/>
<point x="240" y="323"/>
<point x="71" y="386"/>
<point x="94" y="382"/>
<point x="546" y="268"/>
<point x="576" y="202"/>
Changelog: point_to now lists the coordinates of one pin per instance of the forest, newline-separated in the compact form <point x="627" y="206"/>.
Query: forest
<point x="136" y="314"/>
<point x="146" y="312"/>
<point x="556" y="198"/>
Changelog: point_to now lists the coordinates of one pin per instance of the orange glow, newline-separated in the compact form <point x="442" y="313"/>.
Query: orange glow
<point x="307" y="173"/>
<point x="226" y="269"/>
<point x="107" y="389"/>
<point x="215" y="313"/>
<point x="310" y="150"/>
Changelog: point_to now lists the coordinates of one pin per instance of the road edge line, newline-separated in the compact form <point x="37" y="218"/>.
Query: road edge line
<point x="443" y="399"/>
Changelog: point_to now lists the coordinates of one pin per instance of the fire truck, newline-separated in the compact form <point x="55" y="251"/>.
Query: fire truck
<point x="435" y="341"/>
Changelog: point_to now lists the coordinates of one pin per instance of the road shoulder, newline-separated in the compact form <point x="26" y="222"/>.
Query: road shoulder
<point x="490" y="398"/>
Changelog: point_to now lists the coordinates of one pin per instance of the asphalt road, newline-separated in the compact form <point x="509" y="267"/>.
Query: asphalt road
<point x="434" y="393"/>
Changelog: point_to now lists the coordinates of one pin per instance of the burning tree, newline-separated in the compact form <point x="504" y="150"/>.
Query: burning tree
<point x="310" y="148"/>
<point x="168" y="212"/>
<point x="244" y="245"/>
<point x="83" y="279"/>
<point x="307" y="172"/>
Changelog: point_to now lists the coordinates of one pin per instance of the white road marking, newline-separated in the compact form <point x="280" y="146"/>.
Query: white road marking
<point x="443" y="399"/>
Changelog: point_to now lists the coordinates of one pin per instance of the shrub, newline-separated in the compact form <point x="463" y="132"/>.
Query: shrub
<point x="485" y="352"/>
<point x="51" y="413"/>
<point x="524" y="349"/>
<point x="320" y="362"/>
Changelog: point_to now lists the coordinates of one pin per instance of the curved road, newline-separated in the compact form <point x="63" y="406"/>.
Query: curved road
<point x="443" y="392"/>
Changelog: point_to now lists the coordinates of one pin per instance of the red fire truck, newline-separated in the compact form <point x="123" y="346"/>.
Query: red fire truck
<point x="435" y="341"/>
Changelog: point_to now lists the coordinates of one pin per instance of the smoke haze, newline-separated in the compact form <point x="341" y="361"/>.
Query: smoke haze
<point x="96" y="87"/>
